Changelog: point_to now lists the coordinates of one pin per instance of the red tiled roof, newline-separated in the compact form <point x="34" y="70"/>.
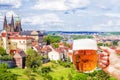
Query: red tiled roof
<point x="18" y="51"/>
<point x="12" y="51"/>
<point x="46" y="48"/>
<point x="13" y="33"/>
<point x="20" y="37"/>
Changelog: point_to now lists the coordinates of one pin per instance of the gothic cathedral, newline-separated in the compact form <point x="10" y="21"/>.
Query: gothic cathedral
<point x="12" y="27"/>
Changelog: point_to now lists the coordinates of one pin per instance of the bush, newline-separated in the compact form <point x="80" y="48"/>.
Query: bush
<point x="8" y="76"/>
<point x="53" y="66"/>
<point x="101" y="75"/>
<point x="80" y="76"/>
<point x="5" y="74"/>
<point x="2" y="51"/>
<point x="32" y="78"/>
<point x="3" y="67"/>
<point x="6" y="57"/>
<point x="48" y="77"/>
<point x="28" y="72"/>
<point x="65" y="64"/>
<point x="61" y="78"/>
<point x="53" y="61"/>
<point x="45" y="70"/>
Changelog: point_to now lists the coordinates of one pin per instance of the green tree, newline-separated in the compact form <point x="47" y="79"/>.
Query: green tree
<point x="33" y="59"/>
<point x="67" y="45"/>
<point x="6" y="57"/>
<point x="55" y="45"/>
<point x="52" y="39"/>
<point x="115" y="43"/>
<point x="30" y="51"/>
<point x="100" y="44"/>
<point x="2" y="51"/>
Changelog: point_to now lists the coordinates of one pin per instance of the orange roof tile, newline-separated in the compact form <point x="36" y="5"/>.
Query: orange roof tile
<point x="20" y="37"/>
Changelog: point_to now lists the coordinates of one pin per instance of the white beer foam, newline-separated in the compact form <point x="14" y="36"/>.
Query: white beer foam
<point x="85" y="44"/>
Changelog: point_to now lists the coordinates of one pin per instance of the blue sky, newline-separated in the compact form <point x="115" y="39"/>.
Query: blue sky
<point x="63" y="15"/>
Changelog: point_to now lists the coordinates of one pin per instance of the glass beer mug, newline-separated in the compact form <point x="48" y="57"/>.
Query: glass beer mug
<point x="85" y="55"/>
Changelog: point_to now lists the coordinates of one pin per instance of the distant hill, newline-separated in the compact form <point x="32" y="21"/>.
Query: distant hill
<point x="74" y="32"/>
<point x="114" y="33"/>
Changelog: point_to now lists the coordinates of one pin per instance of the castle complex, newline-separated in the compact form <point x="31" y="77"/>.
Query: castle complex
<point x="12" y="36"/>
<point x="12" y="27"/>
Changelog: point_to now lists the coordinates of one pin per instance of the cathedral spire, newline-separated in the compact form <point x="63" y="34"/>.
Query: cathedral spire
<point x="12" y="24"/>
<point x="5" y="23"/>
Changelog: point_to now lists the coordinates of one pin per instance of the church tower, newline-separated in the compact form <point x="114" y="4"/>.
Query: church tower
<point x="11" y="27"/>
<point x="5" y="24"/>
<point x="18" y="25"/>
<point x="12" y="24"/>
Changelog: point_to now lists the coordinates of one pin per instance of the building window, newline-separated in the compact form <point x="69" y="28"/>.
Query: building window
<point x="9" y="43"/>
<point x="23" y="41"/>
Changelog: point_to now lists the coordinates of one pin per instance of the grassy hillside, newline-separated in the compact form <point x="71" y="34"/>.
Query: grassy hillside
<point x="59" y="72"/>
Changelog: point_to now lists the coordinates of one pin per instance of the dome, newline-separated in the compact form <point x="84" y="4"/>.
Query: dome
<point x="18" y="19"/>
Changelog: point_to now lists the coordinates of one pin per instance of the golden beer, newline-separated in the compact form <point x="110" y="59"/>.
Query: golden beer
<point x="85" y="55"/>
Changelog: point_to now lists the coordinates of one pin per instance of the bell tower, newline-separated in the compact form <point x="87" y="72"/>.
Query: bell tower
<point x="12" y="24"/>
<point x="18" y="27"/>
<point x="5" y="24"/>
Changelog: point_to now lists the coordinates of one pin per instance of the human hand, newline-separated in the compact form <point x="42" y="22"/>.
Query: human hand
<point x="109" y="61"/>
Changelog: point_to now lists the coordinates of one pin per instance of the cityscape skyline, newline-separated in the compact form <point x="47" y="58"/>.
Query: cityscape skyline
<point x="63" y="15"/>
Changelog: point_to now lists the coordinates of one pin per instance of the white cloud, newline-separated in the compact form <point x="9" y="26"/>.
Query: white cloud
<point x="42" y="19"/>
<point x="107" y="26"/>
<point x="10" y="13"/>
<point x="50" y="5"/>
<point x="112" y="14"/>
<point x="14" y="3"/>
<point x="43" y="22"/>
<point x="60" y="4"/>
<point x="76" y="3"/>
<point x="1" y="17"/>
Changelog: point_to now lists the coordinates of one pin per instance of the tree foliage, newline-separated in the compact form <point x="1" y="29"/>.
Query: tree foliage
<point x="33" y="59"/>
<point x="30" y="51"/>
<point x="6" y="57"/>
<point x="82" y="36"/>
<point x="2" y="51"/>
<point x="115" y="43"/>
<point x="55" y="45"/>
<point x="52" y="39"/>
<point x="67" y="45"/>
